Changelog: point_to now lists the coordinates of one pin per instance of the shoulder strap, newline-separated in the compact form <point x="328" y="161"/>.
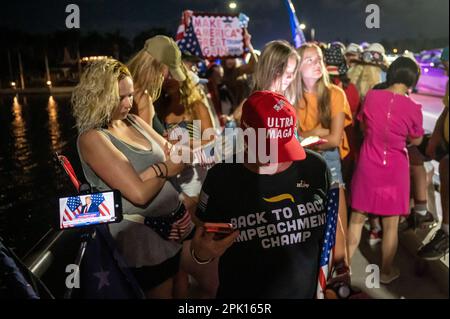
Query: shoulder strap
<point x="138" y="127"/>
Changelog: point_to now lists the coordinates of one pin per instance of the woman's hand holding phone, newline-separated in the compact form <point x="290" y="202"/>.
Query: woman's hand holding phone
<point x="206" y="244"/>
<point x="221" y="230"/>
<point x="312" y="141"/>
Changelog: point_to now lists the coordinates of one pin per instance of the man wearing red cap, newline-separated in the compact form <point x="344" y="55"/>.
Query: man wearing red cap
<point x="277" y="207"/>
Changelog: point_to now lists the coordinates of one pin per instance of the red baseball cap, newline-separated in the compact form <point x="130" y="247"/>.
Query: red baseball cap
<point x="273" y="112"/>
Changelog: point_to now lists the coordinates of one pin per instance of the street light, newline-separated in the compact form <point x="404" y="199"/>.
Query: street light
<point x="395" y="51"/>
<point x="49" y="83"/>
<point x="302" y="26"/>
<point x="232" y="5"/>
<point x="13" y="85"/>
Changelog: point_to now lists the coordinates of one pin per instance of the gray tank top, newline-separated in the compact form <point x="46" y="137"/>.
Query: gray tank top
<point x="139" y="244"/>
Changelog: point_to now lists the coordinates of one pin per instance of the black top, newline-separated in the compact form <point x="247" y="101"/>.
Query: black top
<point x="281" y="219"/>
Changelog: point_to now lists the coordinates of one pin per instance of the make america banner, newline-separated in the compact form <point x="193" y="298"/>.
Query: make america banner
<point x="211" y="36"/>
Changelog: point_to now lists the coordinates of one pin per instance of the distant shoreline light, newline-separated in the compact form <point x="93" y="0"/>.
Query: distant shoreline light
<point x="93" y="58"/>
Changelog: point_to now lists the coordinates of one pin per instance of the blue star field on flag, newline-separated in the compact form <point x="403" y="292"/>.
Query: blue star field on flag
<point x="97" y="199"/>
<point x="190" y="42"/>
<point x="73" y="203"/>
<point x="330" y="231"/>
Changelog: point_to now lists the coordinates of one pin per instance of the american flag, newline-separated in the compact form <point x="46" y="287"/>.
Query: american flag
<point x="74" y="206"/>
<point x="329" y="240"/>
<point x="72" y="209"/>
<point x="222" y="147"/>
<point x="185" y="20"/>
<point x="186" y="38"/>
<point x="297" y="33"/>
<point x="181" y="227"/>
<point x="205" y="155"/>
<point x="173" y="227"/>
<point x="99" y="200"/>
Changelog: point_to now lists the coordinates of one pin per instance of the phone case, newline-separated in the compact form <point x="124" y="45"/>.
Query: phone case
<point x="312" y="140"/>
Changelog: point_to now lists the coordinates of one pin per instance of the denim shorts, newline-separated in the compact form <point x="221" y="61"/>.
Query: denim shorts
<point x="333" y="160"/>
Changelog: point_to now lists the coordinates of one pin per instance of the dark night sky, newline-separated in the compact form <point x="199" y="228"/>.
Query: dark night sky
<point x="332" y="19"/>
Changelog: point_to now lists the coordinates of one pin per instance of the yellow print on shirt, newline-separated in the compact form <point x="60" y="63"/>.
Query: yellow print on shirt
<point x="279" y="198"/>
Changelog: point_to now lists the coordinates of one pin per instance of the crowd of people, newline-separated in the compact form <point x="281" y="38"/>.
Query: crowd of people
<point x="128" y="115"/>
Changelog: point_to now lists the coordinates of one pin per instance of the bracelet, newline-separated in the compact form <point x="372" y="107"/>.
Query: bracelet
<point x="167" y="169"/>
<point x="154" y="169"/>
<point x="198" y="261"/>
<point x="161" y="174"/>
<point x="157" y="170"/>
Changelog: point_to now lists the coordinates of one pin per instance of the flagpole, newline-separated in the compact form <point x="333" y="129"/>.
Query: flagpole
<point x="297" y="33"/>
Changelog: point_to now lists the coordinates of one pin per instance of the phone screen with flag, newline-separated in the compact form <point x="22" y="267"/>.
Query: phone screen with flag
<point x="90" y="209"/>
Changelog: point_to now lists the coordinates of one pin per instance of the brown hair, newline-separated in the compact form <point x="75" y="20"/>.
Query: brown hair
<point x="272" y="64"/>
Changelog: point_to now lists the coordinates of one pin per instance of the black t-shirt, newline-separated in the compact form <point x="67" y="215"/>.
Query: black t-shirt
<point x="281" y="219"/>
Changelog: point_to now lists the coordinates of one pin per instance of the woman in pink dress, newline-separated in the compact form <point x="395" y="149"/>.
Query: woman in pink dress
<point x="380" y="185"/>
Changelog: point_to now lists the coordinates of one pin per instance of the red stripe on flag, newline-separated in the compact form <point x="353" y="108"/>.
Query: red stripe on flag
<point x="104" y="209"/>
<point x="68" y="215"/>
<point x="322" y="279"/>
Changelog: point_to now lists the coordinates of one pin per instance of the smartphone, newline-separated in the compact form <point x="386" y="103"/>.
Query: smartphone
<point x="90" y="209"/>
<point x="312" y="140"/>
<point x="221" y="230"/>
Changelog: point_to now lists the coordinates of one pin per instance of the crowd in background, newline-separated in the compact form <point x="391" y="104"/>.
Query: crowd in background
<point x="128" y="113"/>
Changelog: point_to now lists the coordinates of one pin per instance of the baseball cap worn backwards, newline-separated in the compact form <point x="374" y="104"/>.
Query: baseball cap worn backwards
<point x="273" y="112"/>
<point x="165" y="50"/>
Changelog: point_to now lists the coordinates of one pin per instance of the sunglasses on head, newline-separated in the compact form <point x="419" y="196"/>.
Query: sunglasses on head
<point x="372" y="57"/>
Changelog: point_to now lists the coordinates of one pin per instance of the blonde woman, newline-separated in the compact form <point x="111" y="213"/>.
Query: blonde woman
<point x="182" y="103"/>
<point x="372" y="69"/>
<point x="323" y="111"/>
<point x="149" y="67"/>
<point x="121" y="151"/>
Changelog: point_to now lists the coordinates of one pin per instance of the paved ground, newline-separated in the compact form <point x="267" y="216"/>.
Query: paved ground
<point x="416" y="281"/>
<point x="409" y="285"/>
<point x="432" y="107"/>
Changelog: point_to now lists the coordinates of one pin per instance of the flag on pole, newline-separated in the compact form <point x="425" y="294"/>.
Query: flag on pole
<point x="297" y="33"/>
<point x="329" y="240"/>
<point x="185" y="21"/>
<point x="186" y="38"/>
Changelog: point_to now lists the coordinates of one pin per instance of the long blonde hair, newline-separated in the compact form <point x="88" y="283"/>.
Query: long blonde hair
<point x="272" y="64"/>
<point x="147" y="73"/>
<point x="369" y="77"/>
<point x="323" y="88"/>
<point x="96" y="97"/>
<point x="189" y="91"/>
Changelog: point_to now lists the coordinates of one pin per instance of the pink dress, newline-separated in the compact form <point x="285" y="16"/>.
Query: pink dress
<point x="380" y="184"/>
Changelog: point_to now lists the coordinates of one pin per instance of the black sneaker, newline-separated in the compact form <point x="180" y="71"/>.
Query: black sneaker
<point x="415" y="221"/>
<point x="426" y="221"/>
<point x="436" y="248"/>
